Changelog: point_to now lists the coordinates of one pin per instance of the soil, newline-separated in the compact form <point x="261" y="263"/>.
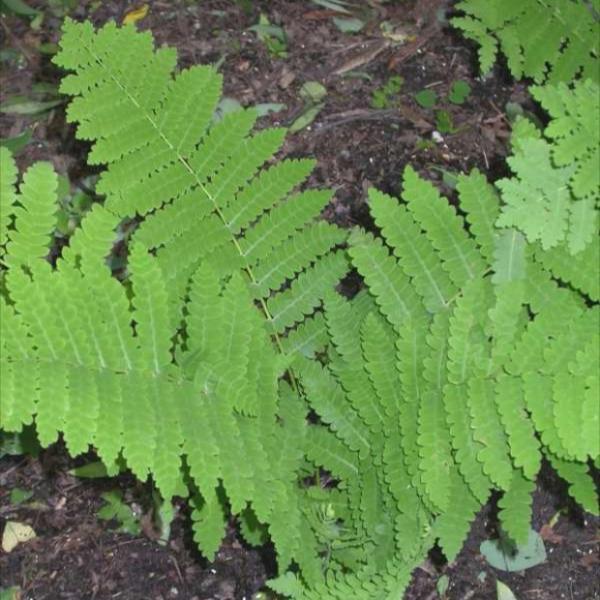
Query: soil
<point x="76" y="555"/>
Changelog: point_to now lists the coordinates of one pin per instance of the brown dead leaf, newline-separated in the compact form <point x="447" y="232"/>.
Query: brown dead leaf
<point x="589" y="561"/>
<point x="549" y="535"/>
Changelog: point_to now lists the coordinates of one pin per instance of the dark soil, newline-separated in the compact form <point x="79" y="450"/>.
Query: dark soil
<point x="78" y="556"/>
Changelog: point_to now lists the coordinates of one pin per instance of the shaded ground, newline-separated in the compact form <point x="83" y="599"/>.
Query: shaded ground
<point x="78" y="556"/>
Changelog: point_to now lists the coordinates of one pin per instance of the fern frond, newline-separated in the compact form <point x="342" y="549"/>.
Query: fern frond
<point x="433" y="436"/>
<point x="515" y="508"/>
<point x="291" y="255"/>
<point x="280" y="223"/>
<point x="328" y="399"/>
<point x="108" y="438"/>
<point x="537" y="198"/>
<point x="574" y="270"/>
<point x="554" y="195"/>
<point x="53" y="404"/>
<point x="553" y="40"/>
<point x="330" y="453"/>
<point x="574" y="127"/>
<point x="465" y="358"/>
<point x="151" y="313"/>
<point x="307" y="339"/>
<point x="488" y="431"/>
<point x="386" y="280"/>
<point x="452" y="526"/>
<point x="415" y="252"/>
<point x="576" y="414"/>
<point x="524" y="447"/>
<point x="443" y="227"/>
<point x="209" y="523"/>
<point x="18" y="394"/>
<point x="306" y="292"/>
<point x="480" y="202"/>
<point x="35" y="218"/>
<point x="581" y="484"/>
<point x="8" y="196"/>
<point x="378" y="347"/>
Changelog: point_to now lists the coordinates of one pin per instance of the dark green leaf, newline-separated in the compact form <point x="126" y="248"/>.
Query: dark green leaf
<point x="426" y="98"/>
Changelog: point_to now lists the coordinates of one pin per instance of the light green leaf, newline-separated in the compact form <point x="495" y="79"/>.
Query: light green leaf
<point x="313" y="91"/>
<point x="23" y="106"/>
<point x="506" y="557"/>
<point x="93" y="470"/>
<point x="349" y="25"/>
<point x="268" y="107"/>
<point x="504" y="592"/>
<point x="306" y="118"/>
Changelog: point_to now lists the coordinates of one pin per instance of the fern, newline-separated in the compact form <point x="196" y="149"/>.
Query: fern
<point x="553" y="197"/>
<point x="548" y="40"/>
<point x="456" y="410"/>
<point x="353" y="433"/>
<point x="224" y="281"/>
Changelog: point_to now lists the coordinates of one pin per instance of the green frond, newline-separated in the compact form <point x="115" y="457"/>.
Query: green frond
<point x="289" y="257"/>
<point x="574" y="270"/>
<point x="209" y="523"/>
<point x="139" y="439"/>
<point x="264" y="192"/>
<point x="507" y="319"/>
<point x="524" y="447"/>
<point x="308" y="339"/>
<point x="344" y="320"/>
<point x="509" y="257"/>
<point x="15" y="340"/>
<point x="466" y="354"/>
<point x="488" y="431"/>
<point x="108" y="438"/>
<point x="34" y="302"/>
<point x="35" y="218"/>
<point x="480" y="202"/>
<point x="433" y="436"/>
<point x="466" y="447"/>
<point x="327" y="397"/>
<point x="553" y="197"/>
<point x="53" y="403"/>
<point x="92" y="241"/>
<point x="443" y="227"/>
<point x="552" y="40"/>
<point x="166" y="462"/>
<point x="515" y="508"/>
<point x="387" y="282"/>
<point x="327" y="451"/>
<point x="82" y="411"/>
<point x="8" y="196"/>
<point x="581" y="484"/>
<point x="151" y="311"/>
<point x="411" y="349"/>
<point x="281" y="223"/>
<point x="452" y="526"/>
<point x="536" y="199"/>
<point x="202" y="452"/>
<point x="306" y="291"/>
<point x="574" y="127"/>
<point x="18" y="393"/>
<point x="378" y="347"/>
<point x="576" y="413"/>
<point x="538" y="399"/>
<point x="415" y="253"/>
